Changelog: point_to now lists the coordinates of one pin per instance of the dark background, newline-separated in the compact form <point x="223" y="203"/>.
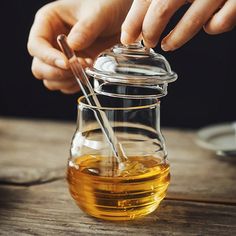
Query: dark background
<point x="203" y="94"/>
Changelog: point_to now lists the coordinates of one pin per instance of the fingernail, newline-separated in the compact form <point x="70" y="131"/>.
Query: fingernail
<point x="124" y="38"/>
<point x="61" y="64"/>
<point x="165" y="47"/>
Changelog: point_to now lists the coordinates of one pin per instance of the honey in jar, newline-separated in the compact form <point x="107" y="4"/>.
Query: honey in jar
<point x="129" y="195"/>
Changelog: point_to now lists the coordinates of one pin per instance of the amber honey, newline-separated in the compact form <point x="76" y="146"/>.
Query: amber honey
<point x="129" y="195"/>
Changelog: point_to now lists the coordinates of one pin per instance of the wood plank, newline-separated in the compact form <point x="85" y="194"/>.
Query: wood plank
<point x="36" y="151"/>
<point x="33" y="151"/>
<point x="48" y="209"/>
<point x="196" y="173"/>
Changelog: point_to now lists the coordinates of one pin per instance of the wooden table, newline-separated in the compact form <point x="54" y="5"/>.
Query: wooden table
<point x="34" y="199"/>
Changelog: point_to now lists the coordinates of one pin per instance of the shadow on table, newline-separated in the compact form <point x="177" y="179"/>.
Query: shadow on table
<point x="175" y="218"/>
<point x="10" y="198"/>
<point x="227" y="159"/>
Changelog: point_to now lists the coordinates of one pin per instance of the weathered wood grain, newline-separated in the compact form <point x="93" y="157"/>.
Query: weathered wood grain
<point x="201" y="199"/>
<point x="34" y="152"/>
<point x="48" y="209"/>
<point x="198" y="174"/>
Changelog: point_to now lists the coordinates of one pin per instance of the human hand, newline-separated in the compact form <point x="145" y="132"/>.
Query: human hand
<point x="92" y="27"/>
<point x="150" y="17"/>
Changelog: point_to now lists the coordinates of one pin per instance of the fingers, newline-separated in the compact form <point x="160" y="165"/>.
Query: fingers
<point x="41" y="49"/>
<point x="42" y="70"/>
<point x="54" y="78"/>
<point x="85" y="32"/>
<point x="97" y="47"/>
<point x="224" y="20"/>
<point x="193" y="20"/>
<point x="50" y="64"/>
<point x="132" y="26"/>
<point x="41" y="37"/>
<point x="156" y="19"/>
<point x="67" y="88"/>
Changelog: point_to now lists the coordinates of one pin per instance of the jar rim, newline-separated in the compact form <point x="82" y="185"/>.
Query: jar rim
<point x="155" y="102"/>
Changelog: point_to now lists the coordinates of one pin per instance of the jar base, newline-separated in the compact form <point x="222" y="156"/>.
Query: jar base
<point x="125" y="215"/>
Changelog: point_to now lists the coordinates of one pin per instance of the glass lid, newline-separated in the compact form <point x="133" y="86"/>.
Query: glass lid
<point x="131" y="66"/>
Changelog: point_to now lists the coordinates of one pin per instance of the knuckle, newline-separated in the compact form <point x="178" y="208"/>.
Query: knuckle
<point x="195" y="21"/>
<point x="43" y="11"/>
<point x="36" y="71"/>
<point x="40" y="16"/>
<point x="30" y="47"/>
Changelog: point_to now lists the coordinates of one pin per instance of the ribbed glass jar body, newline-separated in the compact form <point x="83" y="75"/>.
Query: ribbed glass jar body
<point x="96" y="180"/>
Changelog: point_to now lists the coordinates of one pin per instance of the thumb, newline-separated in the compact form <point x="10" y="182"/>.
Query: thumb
<point x="85" y="32"/>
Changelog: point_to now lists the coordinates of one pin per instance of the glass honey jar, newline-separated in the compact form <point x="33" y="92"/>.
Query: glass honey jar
<point x="129" y="81"/>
